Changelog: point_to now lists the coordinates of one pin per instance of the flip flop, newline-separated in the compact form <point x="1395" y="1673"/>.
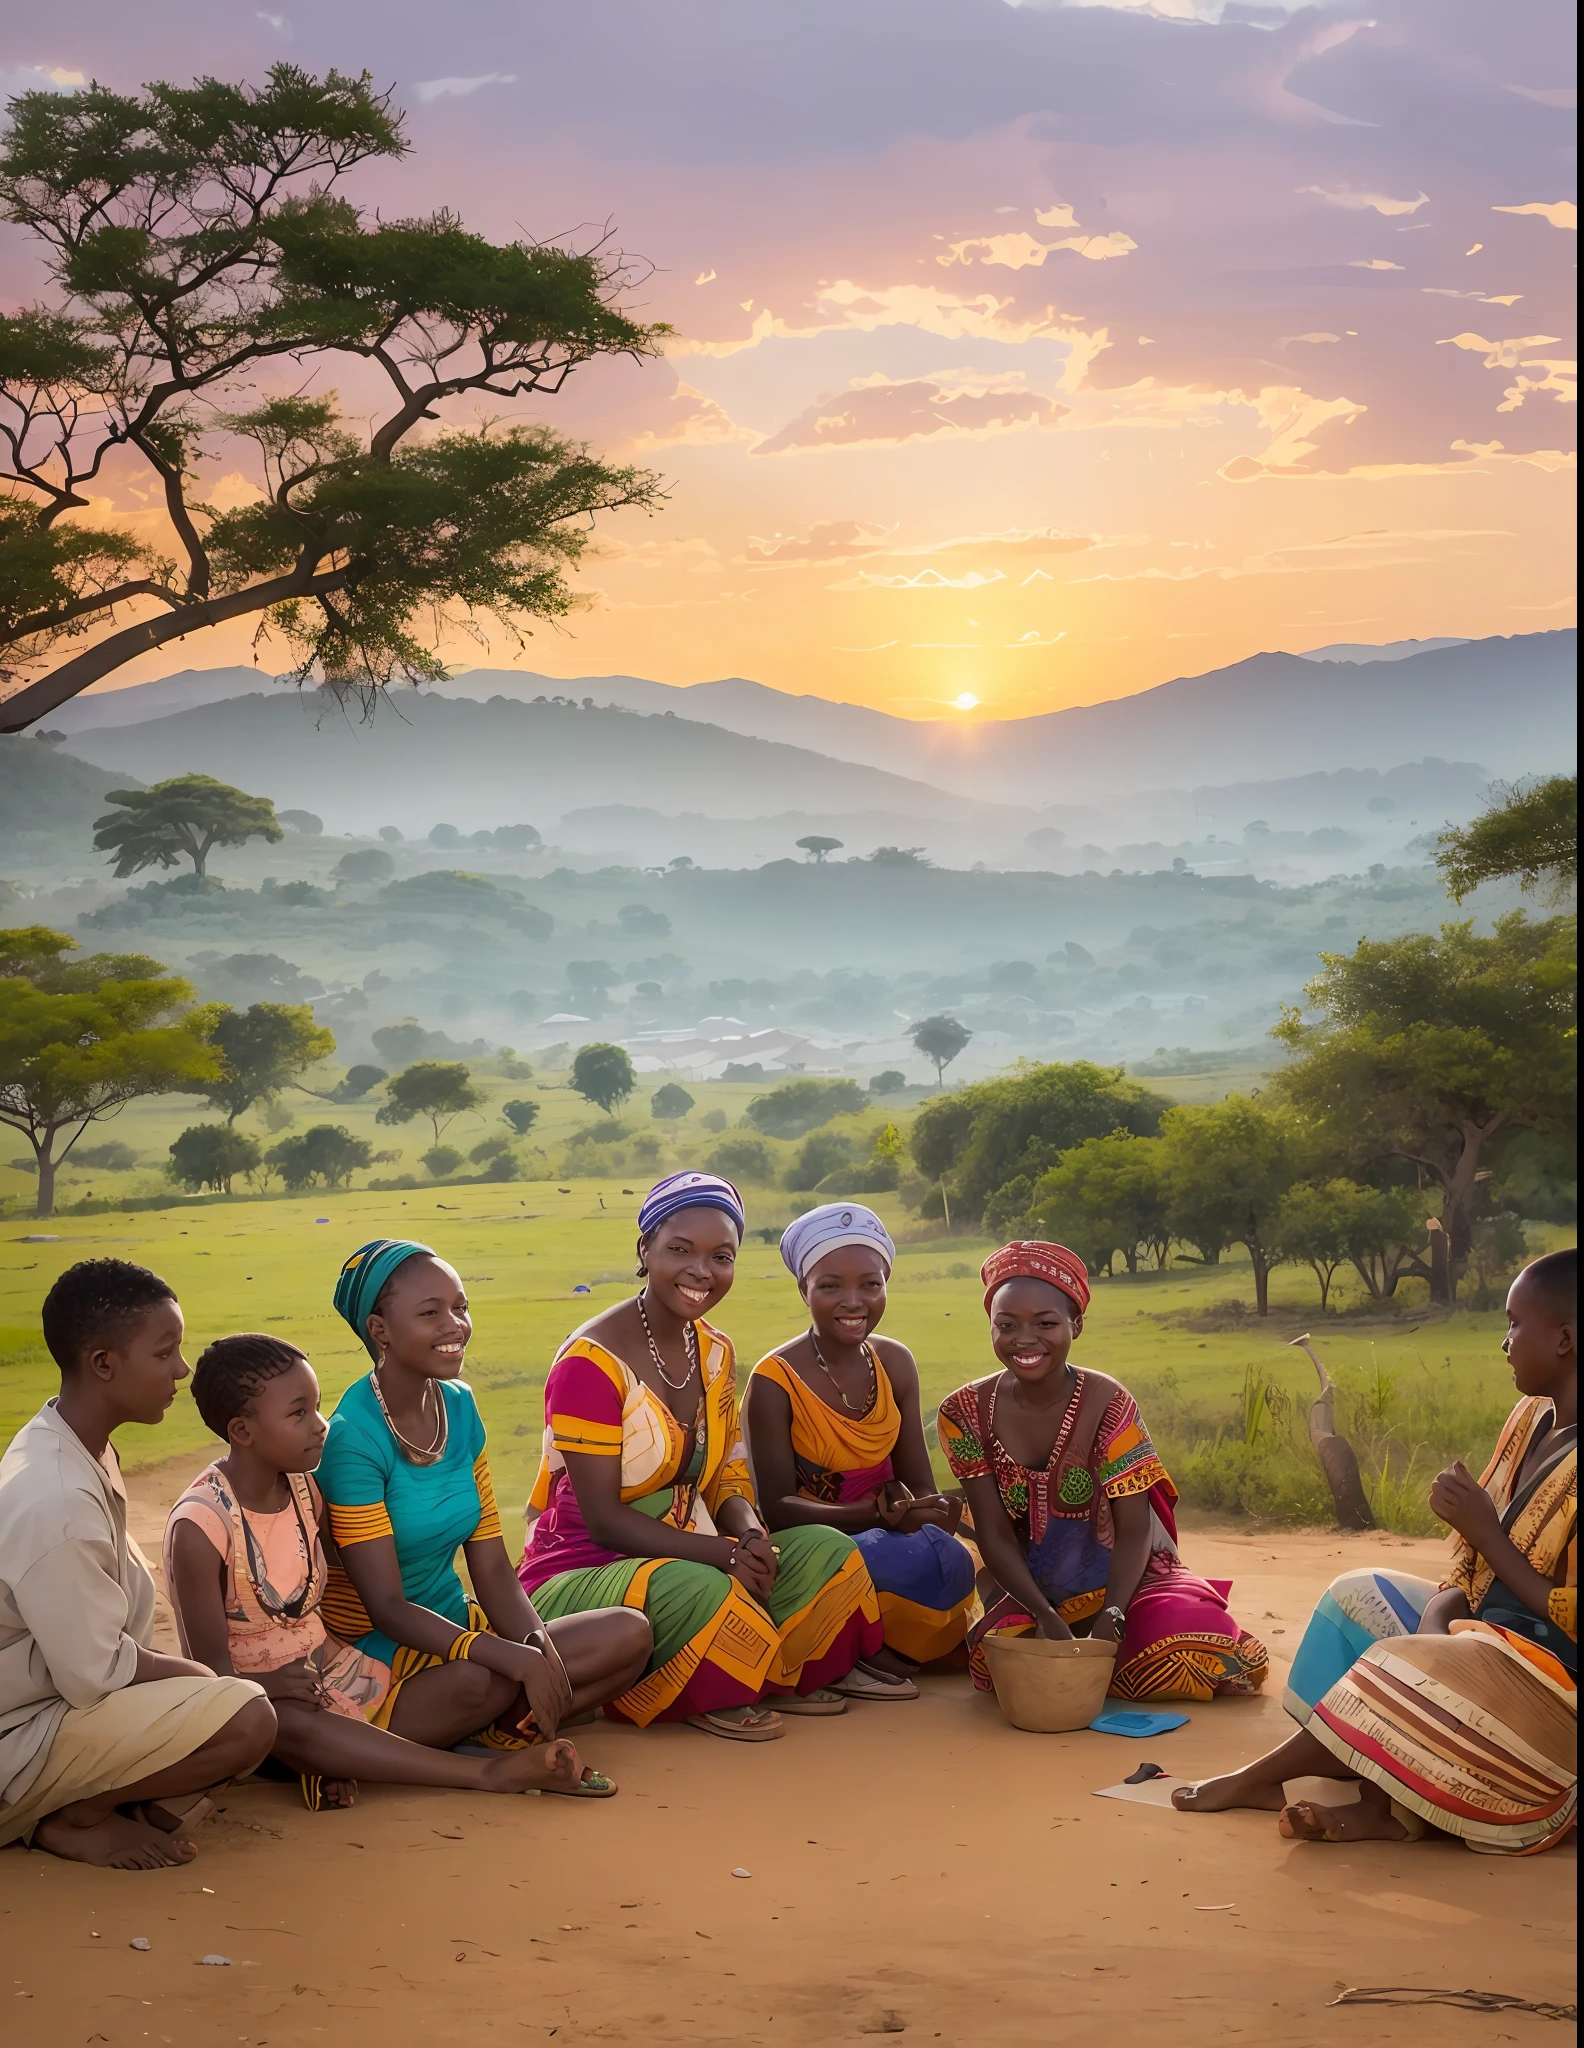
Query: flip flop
<point x="313" y="1791"/>
<point x="767" y="1728"/>
<point x="821" y="1701"/>
<point x="592" y="1785"/>
<point x="865" y="1685"/>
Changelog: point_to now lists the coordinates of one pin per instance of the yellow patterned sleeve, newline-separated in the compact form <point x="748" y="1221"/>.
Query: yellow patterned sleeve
<point x="351" y="1522"/>
<point x="489" y="1521"/>
<point x="1562" y="1608"/>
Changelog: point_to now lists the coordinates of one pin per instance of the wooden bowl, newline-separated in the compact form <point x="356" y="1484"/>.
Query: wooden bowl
<point x="1049" y="1688"/>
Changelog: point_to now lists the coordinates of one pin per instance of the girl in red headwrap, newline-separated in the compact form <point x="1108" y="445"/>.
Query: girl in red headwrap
<point x="1072" y="1509"/>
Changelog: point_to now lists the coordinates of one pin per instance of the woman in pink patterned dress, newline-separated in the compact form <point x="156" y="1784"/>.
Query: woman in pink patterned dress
<point x="1073" y="1512"/>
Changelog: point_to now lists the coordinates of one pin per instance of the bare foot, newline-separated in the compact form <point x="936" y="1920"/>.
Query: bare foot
<point x="1369" y="1820"/>
<point x="112" y="1842"/>
<point x="547" y="1767"/>
<point x="338" y="1793"/>
<point x="1220" y="1795"/>
<point x="887" y="1663"/>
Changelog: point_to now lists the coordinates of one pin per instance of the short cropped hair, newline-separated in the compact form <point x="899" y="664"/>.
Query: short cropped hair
<point x="232" y="1370"/>
<point x="1555" y="1278"/>
<point x="98" y="1301"/>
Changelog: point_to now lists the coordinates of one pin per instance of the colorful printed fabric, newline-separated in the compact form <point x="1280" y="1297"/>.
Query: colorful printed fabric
<point x="1540" y="1517"/>
<point x="715" y="1645"/>
<point x="925" y="1579"/>
<point x="807" y="1238"/>
<point x="1355" y="1612"/>
<point x="1030" y="1259"/>
<point x="1179" y="1640"/>
<point x="429" y="1511"/>
<point x="679" y="1191"/>
<point x="1475" y="1732"/>
<point x="596" y="1406"/>
<point x="364" y="1276"/>
<point x="275" y="1578"/>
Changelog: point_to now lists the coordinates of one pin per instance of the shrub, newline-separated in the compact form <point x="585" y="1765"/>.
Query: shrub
<point x="490" y="1148"/>
<point x="327" y="1153"/>
<point x="744" y="1159"/>
<point x="670" y="1102"/>
<point x="367" y="864"/>
<point x="713" y="1120"/>
<point x="112" y="1158"/>
<point x="891" y="1082"/>
<point x="521" y="1114"/>
<point x="823" y="1153"/>
<point x="798" y="1106"/>
<point x="211" y="1156"/>
<point x="442" y="1160"/>
<point x="356" y="1083"/>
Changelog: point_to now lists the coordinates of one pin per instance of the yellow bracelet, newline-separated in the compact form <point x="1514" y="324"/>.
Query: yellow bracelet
<point x="463" y="1643"/>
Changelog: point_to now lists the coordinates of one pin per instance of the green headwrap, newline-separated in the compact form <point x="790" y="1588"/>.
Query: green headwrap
<point x="364" y="1276"/>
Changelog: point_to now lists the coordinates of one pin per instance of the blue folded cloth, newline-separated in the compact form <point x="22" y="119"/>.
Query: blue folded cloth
<point x="1117" y="1721"/>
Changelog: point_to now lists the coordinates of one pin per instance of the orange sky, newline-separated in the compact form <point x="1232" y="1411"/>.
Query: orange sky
<point x="1037" y="354"/>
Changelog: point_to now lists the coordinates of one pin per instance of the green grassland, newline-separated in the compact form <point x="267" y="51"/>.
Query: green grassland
<point x="1416" y="1388"/>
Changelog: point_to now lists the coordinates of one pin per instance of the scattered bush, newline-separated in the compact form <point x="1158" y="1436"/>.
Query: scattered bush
<point x="326" y="1153"/>
<point x="112" y="1158"/>
<point x="442" y="1160"/>
<point x="210" y="1156"/>
<point x="367" y="864"/>
<point x="521" y="1114"/>
<point x="356" y="1083"/>
<point x="823" y="1153"/>
<point x="891" y="1082"/>
<point x="670" y="1102"/>
<point x="798" y="1106"/>
<point x="713" y="1120"/>
<point x="744" y="1159"/>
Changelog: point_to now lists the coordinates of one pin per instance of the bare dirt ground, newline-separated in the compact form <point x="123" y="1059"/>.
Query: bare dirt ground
<point x="919" y="1869"/>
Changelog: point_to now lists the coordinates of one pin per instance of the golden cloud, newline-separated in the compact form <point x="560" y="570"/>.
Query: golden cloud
<point x="875" y="411"/>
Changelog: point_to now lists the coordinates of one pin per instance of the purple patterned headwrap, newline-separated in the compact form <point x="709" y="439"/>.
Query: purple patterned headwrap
<point x="679" y="1191"/>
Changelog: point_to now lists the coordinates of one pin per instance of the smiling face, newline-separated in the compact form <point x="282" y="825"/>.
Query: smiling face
<point x="691" y="1261"/>
<point x="422" y="1323"/>
<point x="1032" y="1326"/>
<point x="144" y="1367"/>
<point x="1541" y="1342"/>
<point x="846" y="1293"/>
<point x="281" y="1423"/>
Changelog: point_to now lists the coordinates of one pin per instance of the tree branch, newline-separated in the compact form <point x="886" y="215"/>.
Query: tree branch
<point x="25" y="706"/>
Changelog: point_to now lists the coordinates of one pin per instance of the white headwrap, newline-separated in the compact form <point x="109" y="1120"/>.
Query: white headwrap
<point x="822" y="1230"/>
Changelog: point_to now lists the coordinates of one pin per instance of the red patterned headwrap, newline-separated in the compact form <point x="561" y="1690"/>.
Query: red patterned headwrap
<point x="1036" y="1261"/>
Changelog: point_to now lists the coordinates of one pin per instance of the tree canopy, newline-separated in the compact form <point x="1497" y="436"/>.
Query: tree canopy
<point x="669" y="1102"/>
<point x="211" y="1156"/>
<point x="80" y="1041"/>
<point x="438" y="1089"/>
<point x="185" y="817"/>
<point x="195" y="237"/>
<point x="1425" y="1050"/>
<point x="603" y="1075"/>
<point x="1020" y="1124"/>
<point x="263" y="1049"/>
<point x="797" y="1106"/>
<point x="940" y="1039"/>
<point x="816" y="846"/>
<point x="1530" y="835"/>
<point x="1228" y="1166"/>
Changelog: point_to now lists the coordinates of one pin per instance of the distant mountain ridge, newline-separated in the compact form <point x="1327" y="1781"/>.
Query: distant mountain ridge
<point x="1507" y="703"/>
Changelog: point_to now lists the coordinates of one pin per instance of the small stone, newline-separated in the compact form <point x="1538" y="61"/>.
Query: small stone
<point x="740" y="1872"/>
<point x="216" y="1962"/>
<point x="140" y="1941"/>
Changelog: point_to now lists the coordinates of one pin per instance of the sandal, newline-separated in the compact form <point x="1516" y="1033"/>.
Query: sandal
<point x="821" y="1701"/>
<point x="740" y="1724"/>
<point x="313" y="1791"/>
<point x="592" y="1785"/>
<point x="862" y="1684"/>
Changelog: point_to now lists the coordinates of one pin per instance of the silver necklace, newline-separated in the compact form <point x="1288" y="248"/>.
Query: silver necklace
<point x="874" y="1376"/>
<point x="689" y="1345"/>
<point x="417" y="1454"/>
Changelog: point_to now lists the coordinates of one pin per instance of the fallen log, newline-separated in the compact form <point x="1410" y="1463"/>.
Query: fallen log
<point x="1338" y="1459"/>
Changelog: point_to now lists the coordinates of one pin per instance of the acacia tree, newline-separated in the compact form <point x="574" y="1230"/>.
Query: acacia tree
<point x="940" y="1039"/>
<point x="1109" y="1193"/>
<point x="1428" y="1049"/>
<point x="1227" y="1167"/>
<point x="1529" y="834"/>
<point x="198" y="237"/>
<point x="816" y="846"/>
<point x="263" y="1049"/>
<point x="80" y="1040"/>
<point x="603" y="1074"/>
<point x="437" y="1089"/>
<point x="184" y="817"/>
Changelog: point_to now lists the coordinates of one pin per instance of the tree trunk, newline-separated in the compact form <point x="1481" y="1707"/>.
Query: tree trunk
<point x="1365" y="1269"/>
<point x="1256" y="1252"/>
<point x="1441" y="1282"/>
<point x="1325" y="1286"/>
<point x="45" y="1205"/>
<point x="199" y="855"/>
<point x="1336" y="1455"/>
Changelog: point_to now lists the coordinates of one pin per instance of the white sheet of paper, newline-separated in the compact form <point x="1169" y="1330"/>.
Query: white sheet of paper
<point x="1153" y="1791"/>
